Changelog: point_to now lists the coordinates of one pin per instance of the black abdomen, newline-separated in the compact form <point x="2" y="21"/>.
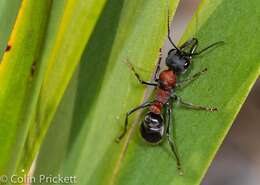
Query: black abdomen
<point x="152" y="128"/>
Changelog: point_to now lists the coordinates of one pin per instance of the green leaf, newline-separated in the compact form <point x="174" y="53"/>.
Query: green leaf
<point x="65" y="54"/>
<point x="8" y="13"/>
<point x="17" y="95"/>
<point x="232" y="70"/>
<point x="107" y="90"/>
<point x="123" y="31"/>
<point x="32" y="144"/>
<point x="57" y="142"/>
<point x="70" y="27"/>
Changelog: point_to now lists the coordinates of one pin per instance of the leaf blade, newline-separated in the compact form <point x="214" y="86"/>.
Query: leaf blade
<point x="198" y="134"/>
<point x="16" y="80"/>
<point x="124" y="38"/>
<point x="8" y="13"/>
<point x="61" y="55"/>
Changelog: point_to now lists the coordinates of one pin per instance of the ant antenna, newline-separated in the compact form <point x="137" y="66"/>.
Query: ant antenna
<point x="169" y="34"/>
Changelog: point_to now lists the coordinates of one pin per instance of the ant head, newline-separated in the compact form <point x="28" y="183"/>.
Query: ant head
<point x="177" y="61"/>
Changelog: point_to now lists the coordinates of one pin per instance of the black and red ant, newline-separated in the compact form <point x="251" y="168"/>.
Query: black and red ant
<point x="158" y="120"/>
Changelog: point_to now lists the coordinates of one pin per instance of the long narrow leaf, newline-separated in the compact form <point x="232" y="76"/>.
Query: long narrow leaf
<point x="71" y="25"/>
<point x="8" y="13"/>
<point x="107" y="90"/>
<point x="16" y="80"/>
<point x="106" y="86"/>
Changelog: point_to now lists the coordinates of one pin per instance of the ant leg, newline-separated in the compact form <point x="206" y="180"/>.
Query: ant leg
<point x="193" y="77"/>
<point x="193" y="43"/>
<point x="208" y="47"/>
<point x="138" y="76"/>
<point x="194" y="106"/>
<point x="158" y="65"/>
<point x="171" y="140"/>
<point x="144" y="105"/>
<point x="194" y="46"/>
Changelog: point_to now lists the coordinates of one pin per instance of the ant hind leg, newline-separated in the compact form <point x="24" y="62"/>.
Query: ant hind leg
<point x="171" y="140"/>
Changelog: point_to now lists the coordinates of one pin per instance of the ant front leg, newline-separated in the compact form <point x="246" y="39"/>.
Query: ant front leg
<point x="138" y="76"/>
<point x="169" y="137"/>
<point x="193" y="106"/>
<point x="193" y="77"/>
<point x="144" y="105"/>
<point x="192" y="43"/>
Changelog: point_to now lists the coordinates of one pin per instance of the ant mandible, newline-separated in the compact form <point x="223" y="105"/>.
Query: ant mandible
<point x="158" y="120"/>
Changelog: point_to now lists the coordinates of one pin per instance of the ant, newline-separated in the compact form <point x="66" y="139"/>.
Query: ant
<point x="158" y="121"/>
